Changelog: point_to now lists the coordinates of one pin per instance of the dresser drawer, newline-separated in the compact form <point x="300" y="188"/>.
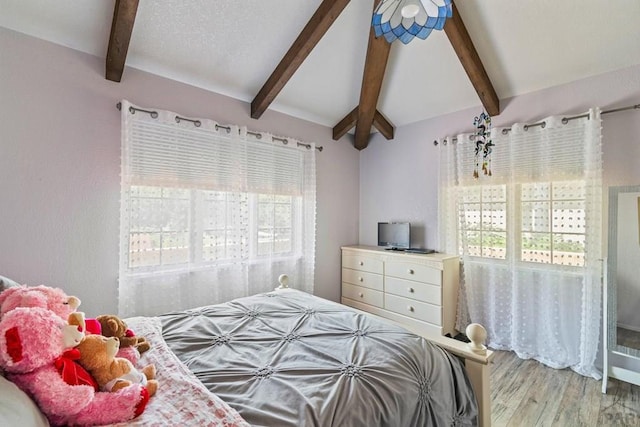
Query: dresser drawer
<point x="363" y="278"/>
<point x="365" y="295"/>
<point x="424" y="292"/>
<point x="362" y="263"/>
<point x="411" y="271"/>
<point x="412" y="308"/>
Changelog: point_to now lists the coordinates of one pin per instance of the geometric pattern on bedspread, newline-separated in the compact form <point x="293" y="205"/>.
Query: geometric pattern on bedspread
<point x="288" y="358"/>
<point x="181" y="400"/>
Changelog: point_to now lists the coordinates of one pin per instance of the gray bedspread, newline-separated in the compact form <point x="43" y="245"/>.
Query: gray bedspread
<point x="288" y="358"/>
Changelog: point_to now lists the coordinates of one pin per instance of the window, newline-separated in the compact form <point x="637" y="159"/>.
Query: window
<point x="551" y="219"/>
<point x="172" y="226"/>
<point x="210" y="213"/>
<point x="529" y="237"/>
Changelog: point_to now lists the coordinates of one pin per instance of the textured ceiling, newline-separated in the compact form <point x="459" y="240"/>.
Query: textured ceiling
<point x="232" y="46"/>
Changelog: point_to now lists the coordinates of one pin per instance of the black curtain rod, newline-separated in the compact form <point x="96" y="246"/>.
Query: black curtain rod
<point x="198" y="123"/>
<point x="565" y="120"/>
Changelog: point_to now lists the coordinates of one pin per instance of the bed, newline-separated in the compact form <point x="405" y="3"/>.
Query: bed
<point x="287" y="358"/>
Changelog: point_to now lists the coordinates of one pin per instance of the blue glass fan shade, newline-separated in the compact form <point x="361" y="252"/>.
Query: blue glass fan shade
<point x="406" y="19"/>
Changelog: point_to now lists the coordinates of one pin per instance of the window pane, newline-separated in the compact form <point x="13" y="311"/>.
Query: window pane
<point x="146" y="214"/>
<point x="471" y="194"/>
<point x="175" y="214"/>
<point x="145" y="191"/>
<point x="473" y="240"/>
<point x="494" y="193"/>
<point x="283" y="214"/>
<point x="471" y="216"/>
<point x="568" y="217"/>
<point x="224" y="225"/>
<point x="483" y="221"/>
<point x="275" y="221"/>
<point x="494" y="245"/>
<point x="535" y="191"/>
<point x="494" y="217"/>
<point x="535" y="216"/>
<point x="265" y="241"/>
<point x="536" y="247"/>
<point x="265" y="215"/>
<point x="159" y="226"/>
<point x="175" y="248"/>
<point x="283" y="240"/>
<point x="568" y="249"/>
<point x="144" y="249"/>
<point x="213" y="245"/>
<point x="569" y="190"/>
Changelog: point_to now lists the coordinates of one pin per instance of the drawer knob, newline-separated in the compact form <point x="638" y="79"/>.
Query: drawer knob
<point x="360" y="279"/>
<point x="411" y="290"/>
<point x="361" y="295"/>
<point x="411" y="309"/>
<point x="361" y="262"/>
<point x="411" y="271"/>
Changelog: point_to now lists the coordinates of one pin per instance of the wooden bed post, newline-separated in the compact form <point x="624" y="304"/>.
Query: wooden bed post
<point x="478" y="374"/>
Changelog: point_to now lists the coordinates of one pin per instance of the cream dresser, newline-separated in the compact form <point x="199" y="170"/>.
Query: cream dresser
<point x="416" y="289"/>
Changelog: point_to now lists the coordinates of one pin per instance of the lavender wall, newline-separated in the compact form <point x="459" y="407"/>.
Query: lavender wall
<point x="60" y="166"/>
<point x="399" y="178"/>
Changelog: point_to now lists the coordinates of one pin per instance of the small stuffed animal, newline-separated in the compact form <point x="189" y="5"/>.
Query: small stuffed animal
<point x="53" y="299"/>
<point x="113" y="326"/>
<point x="33" y="343"/>
<point x="98" y="356"/>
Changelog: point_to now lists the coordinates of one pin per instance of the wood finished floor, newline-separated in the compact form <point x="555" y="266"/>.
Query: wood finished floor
<point x="527" y="393"/>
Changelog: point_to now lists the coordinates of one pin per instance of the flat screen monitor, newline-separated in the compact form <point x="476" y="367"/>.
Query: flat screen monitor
<point x="394" y="235"/>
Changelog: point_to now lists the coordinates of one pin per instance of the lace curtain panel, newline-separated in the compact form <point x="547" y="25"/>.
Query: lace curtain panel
<point x="530" y="238"/>
<point x="210" y="212"/>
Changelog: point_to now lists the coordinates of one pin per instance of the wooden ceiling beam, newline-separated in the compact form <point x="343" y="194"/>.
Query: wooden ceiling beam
<point x="377" y="55"/>
<point x="345" y="125"/>
<point x="327" y="13"/>
<point x="384" y="126"/>
<point x="468" y="56"/>
<point x="124" y="16"/>
<point x="380" y="122"/>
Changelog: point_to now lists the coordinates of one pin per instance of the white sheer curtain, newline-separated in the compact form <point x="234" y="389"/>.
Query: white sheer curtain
<point x="530" y="238"/>
<point x="210" y="212"/>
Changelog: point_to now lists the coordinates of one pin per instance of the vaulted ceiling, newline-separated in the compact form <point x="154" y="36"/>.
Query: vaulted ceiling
<point x="319" y="60"/>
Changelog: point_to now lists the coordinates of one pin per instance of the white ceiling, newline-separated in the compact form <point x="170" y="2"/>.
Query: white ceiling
<point x="232" y="47"/>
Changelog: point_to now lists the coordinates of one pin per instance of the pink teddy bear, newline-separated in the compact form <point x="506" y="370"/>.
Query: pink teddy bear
<point x="56" y="300"/>
<point x="53" y="299"/>
<point x="32" y="343"/>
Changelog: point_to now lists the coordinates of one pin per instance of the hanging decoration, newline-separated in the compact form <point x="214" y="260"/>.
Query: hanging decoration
<point x="406" y="19"/>
<point x="483" y="144"/>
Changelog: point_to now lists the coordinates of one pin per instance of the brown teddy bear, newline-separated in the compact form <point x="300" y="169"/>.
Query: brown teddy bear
<point x="113" y="326"/>
<point x="98" y="356"/>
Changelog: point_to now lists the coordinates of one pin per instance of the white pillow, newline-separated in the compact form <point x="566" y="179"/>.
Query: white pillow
<point x="16" y="408"/>
<point x="6" y="283"/>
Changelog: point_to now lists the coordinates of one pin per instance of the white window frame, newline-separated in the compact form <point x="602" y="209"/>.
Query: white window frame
<point x="513" y="212"/>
